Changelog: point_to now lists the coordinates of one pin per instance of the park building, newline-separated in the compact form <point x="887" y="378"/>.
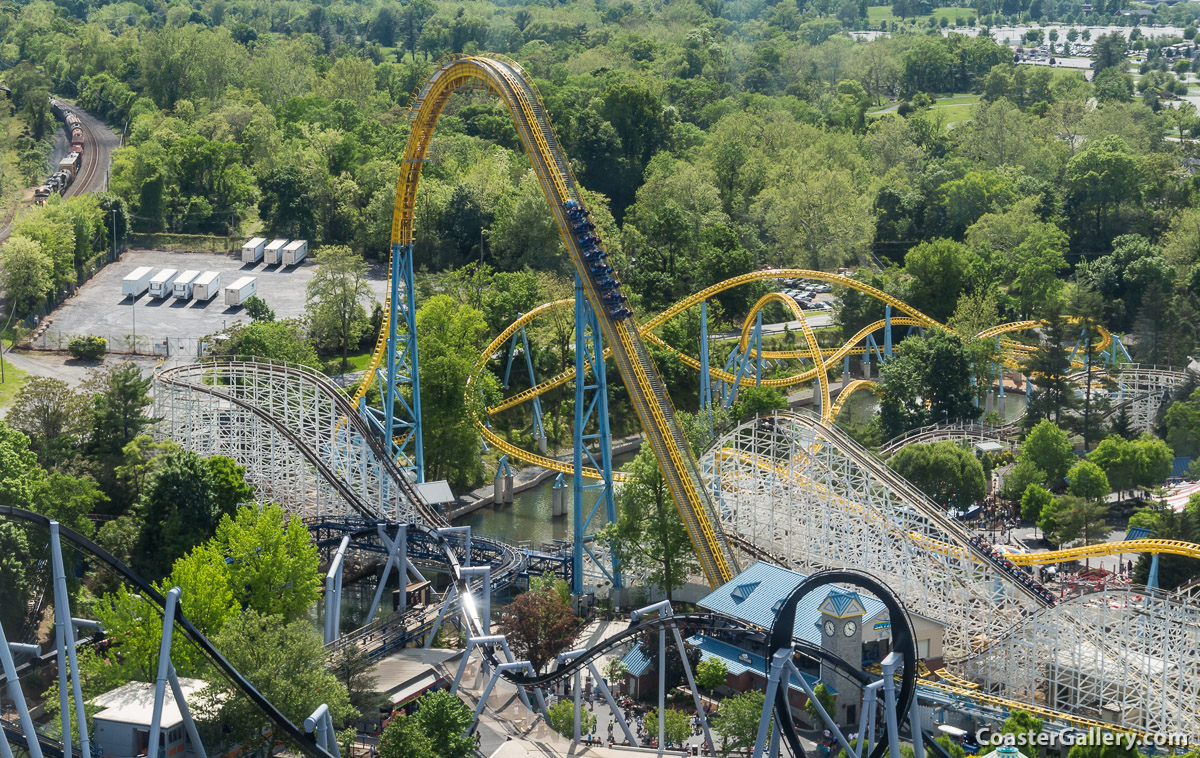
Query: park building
<point x="851" y="625"/>
<point x="122" y="725"/>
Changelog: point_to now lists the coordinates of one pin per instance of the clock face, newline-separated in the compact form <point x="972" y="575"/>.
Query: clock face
<point x="828" y="628"/>
<point x="850" y="628"/>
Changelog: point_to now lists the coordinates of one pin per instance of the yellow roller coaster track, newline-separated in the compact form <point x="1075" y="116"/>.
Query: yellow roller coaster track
<point x="505" y="79"/>
<point x="1010" y="349"/>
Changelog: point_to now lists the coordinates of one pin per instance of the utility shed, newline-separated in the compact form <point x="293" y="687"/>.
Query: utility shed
<point x="122" y="727"/>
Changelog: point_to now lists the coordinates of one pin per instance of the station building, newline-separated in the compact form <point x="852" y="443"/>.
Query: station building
<point x="851" y="625"/>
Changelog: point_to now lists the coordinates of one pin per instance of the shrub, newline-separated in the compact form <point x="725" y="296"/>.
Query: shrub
<point x="88" y="348"/>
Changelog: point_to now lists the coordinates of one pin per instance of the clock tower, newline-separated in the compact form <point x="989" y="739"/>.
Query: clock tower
<point x="841" y="634"/>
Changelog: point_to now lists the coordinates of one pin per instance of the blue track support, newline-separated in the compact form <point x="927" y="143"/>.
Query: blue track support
<point x="705" y="379"/>
<point x="539" y="429"/>
<point x="1152" y="580"/>
<point x="591" y="405"/>
<point x="887" y="331"/>
<point x="742" y="361"/>
<point x="1116" y="352"/>
<point x="400" y="420"/>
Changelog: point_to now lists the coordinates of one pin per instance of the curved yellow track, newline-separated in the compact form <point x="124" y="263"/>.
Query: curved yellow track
<point x="505" y="79"/>
<point x="1010" y="350"/>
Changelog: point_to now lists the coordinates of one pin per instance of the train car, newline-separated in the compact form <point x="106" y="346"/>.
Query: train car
<point x="70" y="164"/>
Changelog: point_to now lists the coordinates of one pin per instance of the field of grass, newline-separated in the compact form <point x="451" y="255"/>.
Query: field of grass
<point x="877" y="13"/>
<point x="13" y="379"/>
<point x="951" y="109"/>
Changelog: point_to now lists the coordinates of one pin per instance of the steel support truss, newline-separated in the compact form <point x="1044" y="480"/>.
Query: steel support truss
<point x="398" y="376"/>
<point x="539" y="427"/>
<point x="591" y="413"/>
<point x="809" y="497"/>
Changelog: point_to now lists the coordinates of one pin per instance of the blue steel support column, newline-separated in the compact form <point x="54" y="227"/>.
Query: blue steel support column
<point x="400" y="369"/>
<point x="887" y="332"/>
<point x="1152" y="580"/>
<point x="705" y="379"/>
<point x="591" y="403"/>
<point x="1000" y="366"/>
<point x="539" y="430"/>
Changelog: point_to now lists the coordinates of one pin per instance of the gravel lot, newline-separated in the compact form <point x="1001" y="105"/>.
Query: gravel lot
<point x="99" y="309"/>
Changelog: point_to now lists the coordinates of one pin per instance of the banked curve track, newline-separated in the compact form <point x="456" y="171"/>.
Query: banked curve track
<point x="505" y="79"/>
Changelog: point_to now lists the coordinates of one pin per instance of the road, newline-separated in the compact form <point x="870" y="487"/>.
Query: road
<point x="97" y="158"/>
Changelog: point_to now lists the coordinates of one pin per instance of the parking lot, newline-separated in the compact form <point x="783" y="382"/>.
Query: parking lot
<point x="100" y="309"/>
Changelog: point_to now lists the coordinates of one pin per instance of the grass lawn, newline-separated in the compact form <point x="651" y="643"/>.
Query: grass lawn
<point x="951" y="109"/>
<point x="877" y="13"/>
<point x="14" y="378"/>
<point x="355" y="362"/>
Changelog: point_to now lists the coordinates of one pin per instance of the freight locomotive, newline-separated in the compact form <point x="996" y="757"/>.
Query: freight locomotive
<point x="68" y="168"/>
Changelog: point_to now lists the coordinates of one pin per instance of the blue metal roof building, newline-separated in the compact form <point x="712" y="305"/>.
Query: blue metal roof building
<point x="755" y="595"/>
<point x="738" y="661"/>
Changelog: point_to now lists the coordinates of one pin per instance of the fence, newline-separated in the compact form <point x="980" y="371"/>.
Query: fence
<point x="128" y="344"/>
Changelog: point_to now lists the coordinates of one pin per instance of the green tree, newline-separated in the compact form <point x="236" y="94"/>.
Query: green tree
<point x="737" y="721"/>
<point x="1049" y="367"/>
<point x="561" y="718"/>
<point x="540" y="624"/>
<point x="16" y="560"/>
<point x="757" y="401"/>
<point x="271" y="340"/>
<point x="940" y="269"/>
<point x="1183" y="425"/>
<point x="1109" y="52"/>
<point x="1082" y="520"/>
<point x="56" y="418"/>
<point x="450" y="338"/>
<point x="1049" y="448"/>
<point x="272" y="562"/>
<point x="1088" y="481"/>
<point x="1020" y="476"/>
<point x="334" y="298"/>
<point x="257" y="309"/>
<point x="1048" y="521"/>
<point x="26" y="274"/>
<point x="446" y="719"/>
<point x="178" y="511"/>
<point x="711" y="673"/>
<point x="404" y="738"/>
<point x="286" y="663"/>
<point x="118" y="414"/>
<point x="649" y="533"/>
<point x="228" y="483"/>
<point x="676" y="727"/>
<point x="1034" y="501"/>
<point x="949" y="474"/>
<point x="1023" y="722"/>
<point x="1099" y="178"/>
<point x="69" y="500"/>
<point x="927" y="381"/>
<point x="827" y="701"/>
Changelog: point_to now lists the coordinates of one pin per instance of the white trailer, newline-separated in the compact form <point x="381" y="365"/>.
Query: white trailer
<point x="206" y="286"/>
<point x="295" y="252"/>
<point x="160" y="284"/>
<point x="181" y="288"/>
<point x="137" y="281"/>
<point x="274" y="252"/>
<point x="236" y="293"/>
<point x="252" y="251"/>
